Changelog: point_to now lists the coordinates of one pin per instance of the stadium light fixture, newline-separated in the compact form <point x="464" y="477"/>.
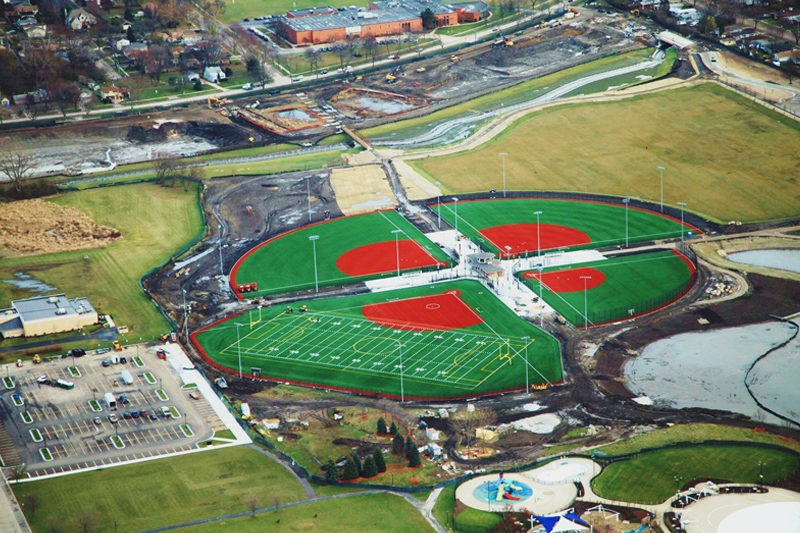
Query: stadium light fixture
<point x="239" y="347"/>
<point x="313" y="239"/>
<point x="219" y="245"/>
<point x="308" y="196"/>
<point x="503" y="158"/>
<point x="456" y="209"/>
<point x="538" y="237"/>
<point x="626" y="201"/>
<point x="683" y="205"/>
<point x="585" y="303"/>
<point x="661" y="169"/>
<point x="185" y="317"/>
<point x="397" y="233"/>
<point x="402" y="390"/>
<point x="527" y="386"/>
<point x="541" y="305"/>
<point x="438" y="206"/>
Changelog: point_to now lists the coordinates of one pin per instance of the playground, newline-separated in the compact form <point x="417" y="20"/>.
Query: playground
<point x="511" y="227"/>
<point x="336" y="252"/>
<point x="444" y="340"/>
<point x="613" y="289"/>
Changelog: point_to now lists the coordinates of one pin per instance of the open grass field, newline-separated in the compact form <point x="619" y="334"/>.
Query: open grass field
<point x="155" y="222"/>
<point x="450" y="339"/>
<point x="652" y="477"/>
<point x="617" y="288"/>
<point x="361" y="512"/>
<point x="513" y="95"/>
<point x="563" y="224"/>
<point x="726" y="157"/>
<point x="161" y="492"/>
<point x="349" y="249"/>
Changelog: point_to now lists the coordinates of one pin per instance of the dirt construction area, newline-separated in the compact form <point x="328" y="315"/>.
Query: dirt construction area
<point x="68" y="414"/>
<point x="37" y="227"/>
<point x="362" y="189"/>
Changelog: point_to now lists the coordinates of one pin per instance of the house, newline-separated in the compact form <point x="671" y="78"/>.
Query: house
<point x="120" y="44"/>
<point x="79" y="19"/>
<point x="26" y="21"/>
<point x="38" y="31"/>
<point x="114" y="95"/>
<point x="25" y="10"/>
<point x="786" y="56"/>
<point x="191" y="76"/>
<point x="214" y="74"/>
<point x="5" y="102"/>
<point x="39" y="96"/>
<point x="45" y="315"/>
<point x="134" y="51"/>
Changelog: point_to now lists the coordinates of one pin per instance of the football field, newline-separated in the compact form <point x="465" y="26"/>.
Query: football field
<point x="440" y="341"/>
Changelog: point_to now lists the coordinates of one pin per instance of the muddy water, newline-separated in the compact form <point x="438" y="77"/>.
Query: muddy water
<point x="383" y="107"/>
<point x="779" y="258"/>
<point x="707" y="369"/>
<point x="29" y="283"/>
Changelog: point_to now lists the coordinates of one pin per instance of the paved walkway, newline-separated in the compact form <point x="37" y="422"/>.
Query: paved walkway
<point x="11" y="518"/>
<point x="310" y="492"/>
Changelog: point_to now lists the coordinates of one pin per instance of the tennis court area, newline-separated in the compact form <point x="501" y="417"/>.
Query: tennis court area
<point x="440" y="341"/>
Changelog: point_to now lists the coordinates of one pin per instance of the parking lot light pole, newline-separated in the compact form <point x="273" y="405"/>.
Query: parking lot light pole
<point x="527" y="386"/>
<point x="313" y="239"/>
<point x="661" y="169"/>
<point x="185" y="317"/>
<point x="438" y="206"/>
<point x="683" y="205"/>
<point x="219" y="245"/>
<point x="627" y="202"/>
<point x="585" y="303"/>
<point x="538" y="237"/>
<point x="503" y="157"/>
<point x="239" y="347"/>
<point x="397" y="233"/>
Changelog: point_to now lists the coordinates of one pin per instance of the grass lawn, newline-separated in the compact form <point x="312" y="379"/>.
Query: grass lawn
<point x="620" y="287"/>
<point x="443" y="508"/>
<point x="363" y="512"/>
<point x="652" y="477"/>
<point x="154" y="221"/>
<point x="473" y="520"/>
<point x="286" y="263"/>
<point x="521" y="92"/>
<point x="630" y="79"/>
<point x="161" y="492"/>
<point x="298" y="63"/>
<point x="458" y="344"/>
<point x="727" y="157"/>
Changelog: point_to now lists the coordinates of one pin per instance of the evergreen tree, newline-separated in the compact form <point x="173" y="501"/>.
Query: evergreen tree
<point x="410" y="445"/>
<point x="357" y="462"/>
<point x="413" y="457"/>
<point x="380" y="462"/>
<point x="332" y="473"/>
<point x="398" y="444"/>
<point x="393" y="428"/>
<point x="370" y="470"/>
<point x="350" y="471"/>
<point x="382" y="426"/>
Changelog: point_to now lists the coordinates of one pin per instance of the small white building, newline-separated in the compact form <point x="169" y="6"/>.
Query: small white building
<point x="214" y="74"/>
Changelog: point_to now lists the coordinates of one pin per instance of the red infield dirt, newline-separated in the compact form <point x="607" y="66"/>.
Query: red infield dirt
<point x="380" y="257"/>
<point x="522" y="237"/>
<point x="569" y="280"/>
<point x="425" y="313"/>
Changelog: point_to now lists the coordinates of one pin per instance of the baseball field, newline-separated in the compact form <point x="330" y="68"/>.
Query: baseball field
<point x="443" y="340"/>
<point x="337" y="252"/>
<point x="613" y="289"/>
<point x="510" y="227"/>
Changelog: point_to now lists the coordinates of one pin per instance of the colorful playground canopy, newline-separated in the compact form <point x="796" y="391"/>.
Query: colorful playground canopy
<point x="562" y="523"/>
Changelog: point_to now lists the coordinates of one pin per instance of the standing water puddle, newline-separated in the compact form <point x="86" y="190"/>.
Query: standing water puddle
<point x="29" y="283"/>
<point x="707" y="369"/>
<point x="782" y="259"/>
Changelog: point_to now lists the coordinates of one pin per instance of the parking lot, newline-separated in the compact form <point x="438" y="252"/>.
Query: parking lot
<point x="95" y="413"/>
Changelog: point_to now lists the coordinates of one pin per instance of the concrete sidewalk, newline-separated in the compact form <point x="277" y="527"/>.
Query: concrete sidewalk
<point x="11" y="518"/>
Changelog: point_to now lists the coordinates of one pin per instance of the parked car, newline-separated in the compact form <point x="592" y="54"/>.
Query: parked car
<point x="153" y="416"/>
<point x="126" y="415"/>
<point x="106" y="363"/>
<point x="135" y="414"/>
<point x="97" y="420"/>
<point x="113" y="418"/>
<point x="124" y="399"/>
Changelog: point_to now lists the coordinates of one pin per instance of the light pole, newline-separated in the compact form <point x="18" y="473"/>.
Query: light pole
<point x="456" y="210"/>
<point x="219" y="245"/>
<point x="313" y="239"/>
<point x="185" y="317"/>
<point x="397" y="233"/>
<point x="239" y="347"/>
<point x="527" y="387"/>
<point x="308" y="196"/>
<point x="503" y="157"/>
<point x="438" y="206"/>
<point x="538" y="237"/>
<point x="661" y="169"/>
<point x="585" y="303"/>
<point x="683" y="205"/>
<point x="402" y="390"/>
<point x="541" y="305"/>
<point x="626" y="201"/>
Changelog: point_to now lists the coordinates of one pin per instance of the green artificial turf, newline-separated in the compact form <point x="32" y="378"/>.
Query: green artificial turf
<point x="652" y="477"/>
<point x="603" y="223"/>
<point x="343" y="350"/>
<point x="286" y="263"/>
<point x="158" y="493"/>
<point x="634" y="284"/>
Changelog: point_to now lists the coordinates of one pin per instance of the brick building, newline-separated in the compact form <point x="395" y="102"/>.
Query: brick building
<point x="382" y="17"/>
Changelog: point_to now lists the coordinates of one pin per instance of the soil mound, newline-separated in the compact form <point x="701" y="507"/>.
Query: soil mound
<point x="219" y="134"/>
<point x="34" y="227"/>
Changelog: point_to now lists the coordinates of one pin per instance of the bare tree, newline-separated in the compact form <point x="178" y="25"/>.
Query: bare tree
<point x="371" y="48"/>
<point x="252" y="504"/>
<point x="312" y="56"/>
<point x="65" y="95"/>
<point x="16" y="167"/>
<point x="168" y="168"/>
<point x="87" y="521"/>
<point x="31" y="503"/>
<point x="341" y="50"/>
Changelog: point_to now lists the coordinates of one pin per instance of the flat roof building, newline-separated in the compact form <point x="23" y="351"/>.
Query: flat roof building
<point x="45" y="315"/>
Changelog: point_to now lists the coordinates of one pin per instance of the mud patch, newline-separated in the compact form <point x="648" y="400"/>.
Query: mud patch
<point x="355" y="102"/>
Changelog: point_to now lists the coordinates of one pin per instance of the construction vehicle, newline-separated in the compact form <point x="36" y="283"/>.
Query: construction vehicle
<point x="635" y="12"/>
<point x="213" y="102"/>
<point x="390" y="78"/>
<point x="454" y="58"/>
<point x="117" y="347"/>
<point x="221" y="383"/>
<point x="421" y="70"/>
<point x="37" y="359"/>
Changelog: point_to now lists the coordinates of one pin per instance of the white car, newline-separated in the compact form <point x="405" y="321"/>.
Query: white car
<point x="247" y="86"/>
